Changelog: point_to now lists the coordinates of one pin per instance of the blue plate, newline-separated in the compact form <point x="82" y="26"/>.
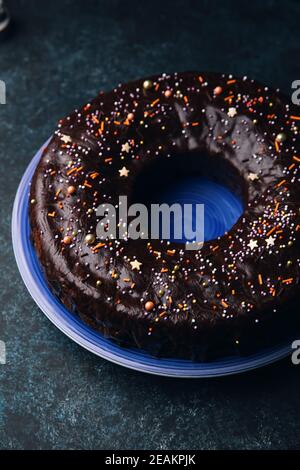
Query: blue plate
<point x="222" y="208"/>
<point x="75" y="329"/>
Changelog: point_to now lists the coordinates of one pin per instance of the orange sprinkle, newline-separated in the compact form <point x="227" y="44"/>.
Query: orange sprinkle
<point x="185" y="99"/>
<point x="94" y="175"/>
<point x="280" y="184"/>
<point x="57" y="192"/>
<point x="271" y="231"/>
<point x="154" y="102"/>
<point x="296" y="158"/>
<point x="276" y="146"/>
<point x="260" y="279"/>
<point x="229" y="82"/>
<point x="201" y="79"/>
<point x="292" y="166"/>
<point x="171" y="252"/>
<point x="224" y="304"/>
<point x="164" y="270"/>
<point x="156" y="87"/>
<point x="87" y="184"/>
<point x="287" y="281"/>
<point x="107" y="160"/>
<point x="51" y="214"/>
<point x="296" y="118"/>
<point x="195" y="124"/>
<point x="276" y="207"/>
<point x="117" y="123"/>
<point x="101" y="128"/>
<point x="73" y="170"/>
<point x="99" y="245"/>
<point x="215" y="248"/>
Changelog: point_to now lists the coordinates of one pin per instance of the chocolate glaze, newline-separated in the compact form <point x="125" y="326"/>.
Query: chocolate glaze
<point x="236" y="294"/>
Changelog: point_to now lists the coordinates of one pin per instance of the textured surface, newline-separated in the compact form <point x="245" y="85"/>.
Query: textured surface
<point x="219" y="303"/>
<point x="53" y="394"/>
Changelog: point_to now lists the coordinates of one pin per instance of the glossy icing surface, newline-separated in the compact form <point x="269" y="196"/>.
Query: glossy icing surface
<point x="153" y="294"/>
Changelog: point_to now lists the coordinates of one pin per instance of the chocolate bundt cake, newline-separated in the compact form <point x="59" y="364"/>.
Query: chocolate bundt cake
<point x="236" y="294"/>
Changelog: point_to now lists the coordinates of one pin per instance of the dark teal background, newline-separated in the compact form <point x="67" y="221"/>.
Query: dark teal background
<point x="53" y="394"/>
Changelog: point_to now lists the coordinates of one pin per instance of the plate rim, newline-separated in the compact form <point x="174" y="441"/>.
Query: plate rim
<point x="159" y="366"/>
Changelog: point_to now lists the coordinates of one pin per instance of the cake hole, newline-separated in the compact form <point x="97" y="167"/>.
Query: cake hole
<point x="195" y="178"/>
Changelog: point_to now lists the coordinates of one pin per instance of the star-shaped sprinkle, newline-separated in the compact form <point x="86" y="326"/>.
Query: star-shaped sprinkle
<point x="270" y="241"/>
<point x="252" y="244"/>
<point x="66" y="138"/>
<point x="135" y="264"/>
<point x="125" y="147"/>
<point x="232" y="112"/>
<point x="252" y="176"/>
<point x="124" y="171"/>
